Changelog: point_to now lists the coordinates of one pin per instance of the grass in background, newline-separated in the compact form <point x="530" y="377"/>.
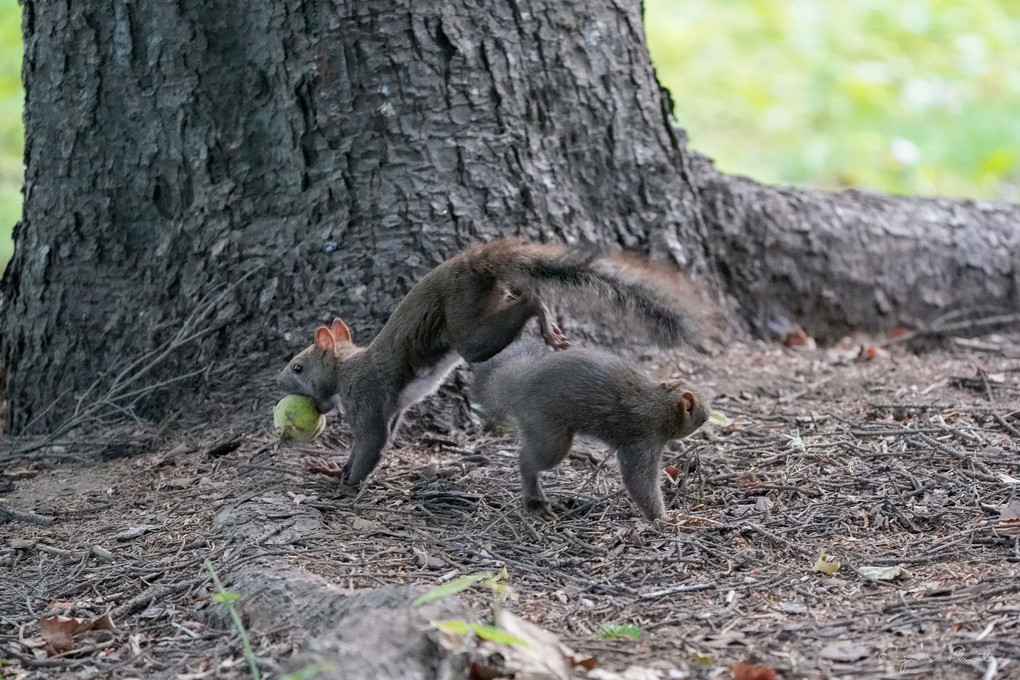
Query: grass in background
<point x="920" y="96"/>
<point x="12" y="131"/>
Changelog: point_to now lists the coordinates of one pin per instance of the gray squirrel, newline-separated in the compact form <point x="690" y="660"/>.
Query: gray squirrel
<point x="471" y="306"/>
<point x="551" y="396"/>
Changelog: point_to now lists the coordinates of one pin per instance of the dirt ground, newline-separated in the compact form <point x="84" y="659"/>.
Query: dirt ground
<point x="904" y="460"/>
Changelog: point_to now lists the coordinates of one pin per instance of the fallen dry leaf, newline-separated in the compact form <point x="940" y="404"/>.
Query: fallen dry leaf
<point x="798" y="338"/>
<point x="746" y="671"/>
<point x="367" y="526"/>
<point x="844" y="651"/>
<point x="21" y="473"/>
<point x="673" y="473"/>
<point x="825" y="566"/>
<point x="881" y="573"/>
<point x="427" y="560"/>
<point x="845" y="343"/>
<point x="104" y="622"/>
<point x="1009" y="526"/>
<point x="1009" y="518"/>
<point x="57" y="632"/>
<point x="869" y="353"/>
<point x="792" y="607"/>
<point x="588" y="663"/>
<point x="135" y="532"/>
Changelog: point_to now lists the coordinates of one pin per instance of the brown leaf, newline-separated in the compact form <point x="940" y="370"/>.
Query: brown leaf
<point x="480" y="671"/>
<point x="58" y="632"/>
<point x="869" y="353"/>
<point x="588" y="663"/>
<point x="746" y="671"/>
<point x="673" y="473"/>
<point x="798" y="338"/>
<point x="104" y="622"/>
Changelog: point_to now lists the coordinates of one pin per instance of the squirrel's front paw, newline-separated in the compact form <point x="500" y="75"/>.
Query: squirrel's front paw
<point x="324" y="466"/>
<point x="669" y="523"/>
<point x="540" y="507"/>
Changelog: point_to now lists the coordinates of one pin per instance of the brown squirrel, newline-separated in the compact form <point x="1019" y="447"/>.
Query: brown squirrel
<point x="470" y="306"/>
<point x="554" y="395"/>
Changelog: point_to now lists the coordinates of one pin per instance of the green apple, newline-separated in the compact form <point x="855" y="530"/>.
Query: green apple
<point x="295" y="418"/>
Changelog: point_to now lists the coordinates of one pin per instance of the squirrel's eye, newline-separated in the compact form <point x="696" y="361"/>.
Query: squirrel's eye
<point x="298" y="368"/>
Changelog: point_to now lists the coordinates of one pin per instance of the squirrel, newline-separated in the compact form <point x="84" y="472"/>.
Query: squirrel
<point x="554" y="395"/>
<point x="471" y="306"/>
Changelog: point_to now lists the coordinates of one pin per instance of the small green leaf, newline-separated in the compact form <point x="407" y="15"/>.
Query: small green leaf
<point x="493" y="634"/>
<point x="226" y="597"/>
<point x="502" y="591"/>
<point x="490" y="633"/>
<point x="453" y="587"/>
<point x="717" y="418"/>
<point x="795" y="441"/>
<point x="700" y="660"/>
<point x="823" y="565"/>
<point x="617" y="630"/>
<point x="308" y="672"/>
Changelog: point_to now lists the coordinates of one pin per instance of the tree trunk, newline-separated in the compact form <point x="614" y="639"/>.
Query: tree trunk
<point x="333" y="152"/>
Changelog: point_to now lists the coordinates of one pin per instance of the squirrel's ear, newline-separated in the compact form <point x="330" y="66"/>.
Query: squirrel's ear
<point x="686" y="403"/>
<point x="324" y="339"/>
<point x="340" y="330"/>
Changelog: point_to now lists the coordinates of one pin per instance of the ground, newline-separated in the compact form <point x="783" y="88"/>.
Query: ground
<point x="906" y="459"/>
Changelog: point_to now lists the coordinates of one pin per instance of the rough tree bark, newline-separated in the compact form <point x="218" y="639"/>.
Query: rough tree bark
<point x="336" y="151"/>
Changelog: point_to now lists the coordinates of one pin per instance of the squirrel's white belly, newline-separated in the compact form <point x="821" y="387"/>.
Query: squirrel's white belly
<point x="427" y="381"/>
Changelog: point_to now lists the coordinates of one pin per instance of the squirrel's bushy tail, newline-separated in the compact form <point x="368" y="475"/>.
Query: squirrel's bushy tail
<point x="603" y="288"/>
<point x="496" y="379"/>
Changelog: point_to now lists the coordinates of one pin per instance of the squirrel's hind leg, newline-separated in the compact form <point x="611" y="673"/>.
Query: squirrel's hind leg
<point x="480" y="326"/>
<point x="543" y="446"/>
<point x="551" y="332"/>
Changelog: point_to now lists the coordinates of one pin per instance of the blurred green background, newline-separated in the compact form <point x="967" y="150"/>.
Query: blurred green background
<point x="919" y="96"/>
<point x="12" y="132"/>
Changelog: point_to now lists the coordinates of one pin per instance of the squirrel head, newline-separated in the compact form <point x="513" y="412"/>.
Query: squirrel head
<point x="313" y="372"/>
<point x="691" y="409"/>
<point x="691" y="413"/>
